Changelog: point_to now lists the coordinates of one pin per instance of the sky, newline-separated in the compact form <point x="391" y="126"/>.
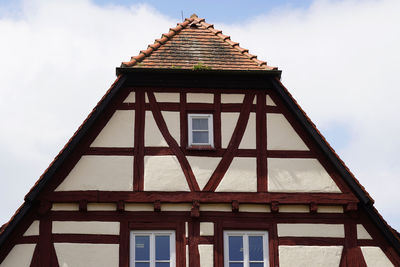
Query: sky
<point x="340" y="60"/>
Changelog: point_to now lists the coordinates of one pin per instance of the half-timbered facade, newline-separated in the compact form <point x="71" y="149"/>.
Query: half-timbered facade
<point x="197" y="156"/>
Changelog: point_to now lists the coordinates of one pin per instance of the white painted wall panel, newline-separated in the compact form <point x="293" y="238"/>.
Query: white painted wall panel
<point x="311" y="230"/>
<point x="232" y="98"/>
<point x="294" y="208"/>
<point x="118" y="132"/>
<point x="65" y="207"/>
<point x="330" y="209"/>
<point x="249" y="136"/>
<point x="153" y="136"/>
<point x="199" y="98"/>
<point x="241" y="176"/>
<point x="33" y="229"/>
<point x="309" y="256"/>
<point x="216" y="207"/>
<point x="176" y="206"/>
<point x="87" y="255"/>
<point x="163" y="173"/>
<point x="19" y="256"/>
<point x="203" y="168"/>
<point x="362" y="232"/>
<point x="375" y="257"/>
<point x="108" y="173"/>
<point x="206" y="228"/>
<point x="167" y="97"/>
<point x="139" y="206"/>
<point x="130" y="98"/>
<point x="270" y="102"/>
<point x="206" y="255"/>
<point x="254" y="208"/>
<point x="228" y="124"/>
<point x="299" y="175"/>
<point x="281" y="135"/>
<point x="86" y="227"/>
<point x="101" y="206"/>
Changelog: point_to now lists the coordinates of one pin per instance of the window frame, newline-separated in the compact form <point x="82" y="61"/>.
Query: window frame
<point x="152" y="248"/>
<point x="209" y="117"/>
<point x="245" y="234"/>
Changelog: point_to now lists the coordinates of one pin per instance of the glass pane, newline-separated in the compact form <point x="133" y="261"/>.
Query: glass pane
<point x="162" y="248"/>
<point x="162" y="264"/>
<point x="236" y="248"/>
<point x="258" y="264"/>
<point x="142" y="250"/>
<point x="235" y="264"/>
<point x="142" y="264"/>
<point x="256" y="248"/>
<point x="200" y="138"/>
<point x="200" y="123"/>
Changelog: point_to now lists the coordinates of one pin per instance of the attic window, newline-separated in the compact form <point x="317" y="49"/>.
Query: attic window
<point x="200" y="129"/>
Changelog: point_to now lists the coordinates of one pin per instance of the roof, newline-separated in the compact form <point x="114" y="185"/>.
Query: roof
<point x="196" y="44"/>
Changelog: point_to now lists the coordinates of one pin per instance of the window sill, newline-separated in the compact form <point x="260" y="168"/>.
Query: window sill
<point x="201" y="147"/>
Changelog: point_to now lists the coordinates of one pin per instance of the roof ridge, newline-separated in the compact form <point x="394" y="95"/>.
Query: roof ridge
<point x="187" y="22"/>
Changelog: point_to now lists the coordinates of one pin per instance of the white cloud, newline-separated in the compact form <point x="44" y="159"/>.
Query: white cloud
<point x="339" y="59"/>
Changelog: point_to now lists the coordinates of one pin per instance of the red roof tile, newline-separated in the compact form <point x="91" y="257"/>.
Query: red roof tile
<point x="195" y="42"/>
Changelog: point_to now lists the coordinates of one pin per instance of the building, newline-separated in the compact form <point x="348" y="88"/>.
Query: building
<point x="197" y="156"/>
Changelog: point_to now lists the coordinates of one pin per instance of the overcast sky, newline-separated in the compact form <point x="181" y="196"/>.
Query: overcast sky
<point x="340" y="60"/>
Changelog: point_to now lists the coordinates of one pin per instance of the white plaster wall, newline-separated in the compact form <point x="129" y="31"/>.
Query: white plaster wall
<point x="330" y="209"/>
<point x="206" y="255"/>
<point x="206" y="228"/>
<point x="65" y="207"/>
<point x="86" y="227"/>
<point x="33" y="229"/>
<point x="167" y="97"/>
<point x="130" y="98"/>
<point x="118" y="132"/>
<point x="203" y="168"/>
<point x="87" y="255"/>
<point x="362" y="232"/>
<point x="199" y="98"/>
<point x="311" y="230"/>
<point x="109" y="173"/>
<point x="228" y="124"/>
<point x="163" y="173"/>
<point x="19" y="256"/>
<point x="187" y="255"/>
<point x="281" y="135"/>
<point x="176" y="206"/>
<point x="216" y="207"/>
<point x="299" y="175"/>
<point x="270" y="102"/>
<point x="232" y="98"/>
<point x="249" y="136"/>
<point x="375" y="257"/>
<point x="101" y="206"/>
<point x="254" y="208"/>
<point x="139" y="206"/>
<point x="241" y="176"/>
<point x="153" y="136"/>
<point x="309" y="256"/>
<point x="294" y="208"/>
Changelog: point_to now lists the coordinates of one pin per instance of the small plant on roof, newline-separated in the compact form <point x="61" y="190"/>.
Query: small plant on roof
<point x="201" y="66"/>
<point x="176" y="67"/>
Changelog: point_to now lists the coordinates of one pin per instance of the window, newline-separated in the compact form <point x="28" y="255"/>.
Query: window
<point x="200" y="130"/>
<point x="246" y="249"/>
<point x="152" y="249"/>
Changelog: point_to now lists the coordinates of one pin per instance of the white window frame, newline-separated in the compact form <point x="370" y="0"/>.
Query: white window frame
<point x="245" y="235"/>
<point x="152" y="246"/>
<point x="209" y="117"/>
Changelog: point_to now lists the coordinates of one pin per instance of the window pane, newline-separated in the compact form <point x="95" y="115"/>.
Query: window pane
<point x="162" y="264"/>
<point x="200" y="138"/>
<point x="142" y="264"/>
<point x="162" y="248"/>
<point x="200" y="123"/>
<point x="258" y="264"/>
<point x="256" y="248"/>
<point x="236" y="264"/>
<point x="236" y="248"/>
<point x="142" y="250"/>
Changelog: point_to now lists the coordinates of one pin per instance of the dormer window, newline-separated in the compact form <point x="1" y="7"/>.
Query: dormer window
<point x="200" y="130"/>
